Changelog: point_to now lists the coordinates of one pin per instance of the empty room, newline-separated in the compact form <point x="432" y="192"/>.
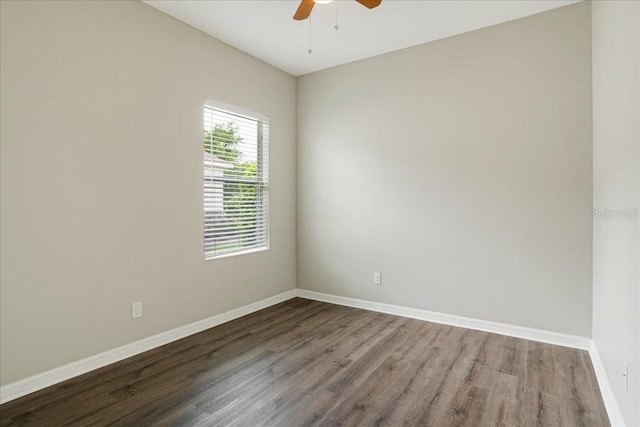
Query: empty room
<point x="299" y="212"/>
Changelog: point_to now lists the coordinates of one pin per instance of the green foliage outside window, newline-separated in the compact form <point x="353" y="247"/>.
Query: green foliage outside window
<point x="240" y="194"/>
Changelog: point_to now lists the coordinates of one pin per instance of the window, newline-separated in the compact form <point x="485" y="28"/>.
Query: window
<point x="236" y="180"/>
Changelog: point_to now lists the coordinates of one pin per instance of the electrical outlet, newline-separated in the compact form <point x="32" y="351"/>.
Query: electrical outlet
<point x="625" y="377"/>
<point x="377" y="278"/>
<point x="136" y="310"/>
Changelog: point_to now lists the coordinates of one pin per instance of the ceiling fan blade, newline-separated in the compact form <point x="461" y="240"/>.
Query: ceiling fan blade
<point x="370" y="3"/>
<point x="304" y="10"/>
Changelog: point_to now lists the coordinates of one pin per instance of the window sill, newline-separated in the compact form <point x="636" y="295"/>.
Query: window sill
<point x="233" y="254"/>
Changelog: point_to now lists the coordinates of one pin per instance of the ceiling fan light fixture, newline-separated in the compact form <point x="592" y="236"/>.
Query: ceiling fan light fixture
<point x="306" y="6"/>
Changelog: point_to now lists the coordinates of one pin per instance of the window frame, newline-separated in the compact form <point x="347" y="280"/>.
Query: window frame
<point x="261" y="182"/>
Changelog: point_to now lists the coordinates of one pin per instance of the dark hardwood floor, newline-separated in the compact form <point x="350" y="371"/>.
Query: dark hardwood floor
<point x="305" y="363"/>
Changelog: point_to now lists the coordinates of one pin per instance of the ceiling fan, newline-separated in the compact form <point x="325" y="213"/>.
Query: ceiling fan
<point x="304" y="10"/>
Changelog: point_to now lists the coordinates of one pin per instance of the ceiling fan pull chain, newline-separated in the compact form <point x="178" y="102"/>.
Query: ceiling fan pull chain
<point x="337" y="27"/>
<point x="309" y="37"/>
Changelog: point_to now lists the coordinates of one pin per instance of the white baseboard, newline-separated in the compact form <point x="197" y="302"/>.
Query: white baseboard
<point x="37" y="382"/>
<point x="613" y="410"/>
<point x="532" y="334"/>
<point x="572" y="341"/>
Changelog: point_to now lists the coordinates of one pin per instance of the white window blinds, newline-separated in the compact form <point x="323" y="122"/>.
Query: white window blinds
<point x="236" y="180"/>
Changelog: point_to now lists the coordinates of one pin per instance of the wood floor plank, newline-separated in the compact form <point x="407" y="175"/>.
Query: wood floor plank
<point x="500" y="410"/>
<point x="541" y="369"/>
<point x="304" y="363"/>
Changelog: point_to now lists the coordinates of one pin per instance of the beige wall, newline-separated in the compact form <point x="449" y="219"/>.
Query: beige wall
<point x="461" y="170"/>
<point x="101" y="150"/>
<point x="616" y="175"/>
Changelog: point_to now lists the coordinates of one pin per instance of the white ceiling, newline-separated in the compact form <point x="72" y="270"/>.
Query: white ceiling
<point x="266" y="29"/>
